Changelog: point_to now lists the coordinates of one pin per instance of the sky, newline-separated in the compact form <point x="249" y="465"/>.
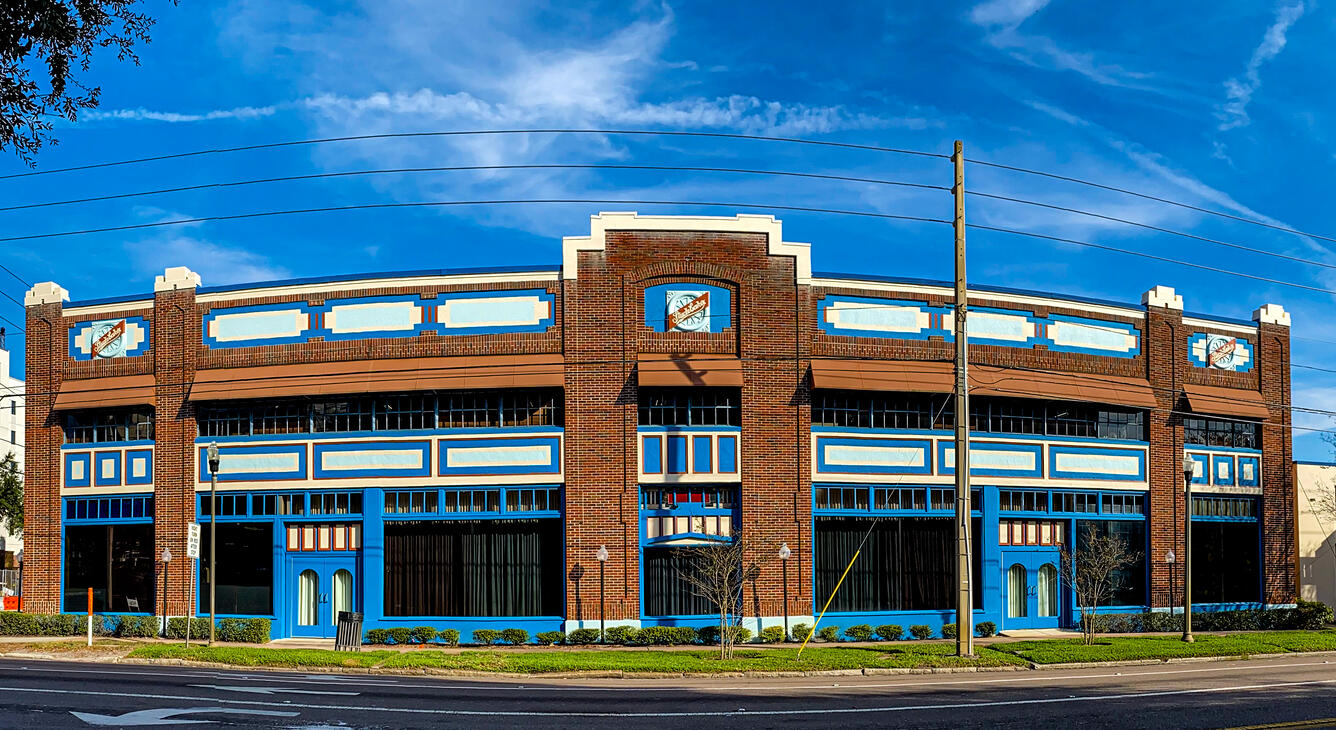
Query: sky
<point x="1218" y="106"/>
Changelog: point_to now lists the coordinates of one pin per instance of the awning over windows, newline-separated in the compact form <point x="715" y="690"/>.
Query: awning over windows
<point x="916" y="376"/>
<point x="381" y="376"/>
<point x="1211" y="400"/>
<point x="724" y="371"/>
<point x="124" y="390"/>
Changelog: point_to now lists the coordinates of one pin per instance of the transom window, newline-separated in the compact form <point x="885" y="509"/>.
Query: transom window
<point x="1220" y="432"/>
<point x="689" y="407"/>
<point x="1224" y="507"/>
<point x="110" y="424"/>
<point x="1022" y="500"/>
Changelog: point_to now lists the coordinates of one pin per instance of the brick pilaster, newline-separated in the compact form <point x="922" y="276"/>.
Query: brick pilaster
<point x="45" y="353"/>
<point x="1279" y="535"/>
<point x="1164" y="341"/>
<point x="176" y="330"/>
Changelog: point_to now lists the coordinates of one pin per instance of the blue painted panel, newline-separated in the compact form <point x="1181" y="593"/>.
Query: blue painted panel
<point x="677" y="454"/>
<point x="1092" y="336"/>
<point x="651" y="449"/>
<point x="136" y="340"/>
<point x="1098" y="463"/>
<point x="107" y="469"/>
<point x="1222" y="471"/>
<point x="499" y="456"/>
<point x="728" y="454"/>
<point x="260" y="463"/>
<point x="494" y="312"/>
<point x="363" y="318"/>
<point x="1202" y="474"/>
<point x="140" y="460"/>
<point x="1220" y="352"/>
<point x="343" y="460"/>
<point x="1250" y="472"/>
<point x="84" y="462"/>
<point x="1006" y="327"/>
<point x="847" y="455"/>
<point x="717" y="317"/>
<point x="996" y="460"/>
<point x="262" y="324"/>
<point x="702" y="456"/>
<point x="876" y="317"/>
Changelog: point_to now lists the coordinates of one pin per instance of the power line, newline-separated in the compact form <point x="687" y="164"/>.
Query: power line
<point x="470" y="168"/>
<point x="477" y="132"/>
<point x="1144" y="196"/>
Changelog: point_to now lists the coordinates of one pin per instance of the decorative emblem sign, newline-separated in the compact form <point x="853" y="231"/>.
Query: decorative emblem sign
<point x="108" y="339"/>
<point x="1220" y="351"/>
<point x="688" y="311"/>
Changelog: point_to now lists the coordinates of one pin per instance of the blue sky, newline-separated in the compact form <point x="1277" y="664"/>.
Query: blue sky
<point x="1213" y="107"/>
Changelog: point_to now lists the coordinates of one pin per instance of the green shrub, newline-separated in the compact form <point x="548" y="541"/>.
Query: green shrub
<point x="17" y="624"/>
<point x="423" y="634"/>
<point x="663" y="635"/>
<point x="449" y="637"/>
<point x="948" y="631"/>
<point x="829" y="633"/>
<point x="581" y="637"/>
<point x="199" y="627"/>
<point x="920" y="631"/>
<point x="685" y="634"/>
<point x="1161" y="621"/>
<point x="890" y="632"/>
<point x="60" y="624"/>
<point x="710" y="634"/>
<point x="772" y="635"/>
<point x="141" y="627"/>
<point x="859" y="632"/>
<point x="247" y="630"/>
<point x="985" y="629"/>
<point x="1311" y="615"/>
<point x="486" y="636"/>
<point x="401" y="635"/>
<point x="515" y="636"/>
<point x="378" y="636"/>
<point x="546" y="638"/>
<point x="620" y="635"/>
<point x="800" y="631"/>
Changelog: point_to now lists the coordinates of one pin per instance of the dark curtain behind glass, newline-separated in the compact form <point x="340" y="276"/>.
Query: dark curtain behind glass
<point x="116" y="561"/>
<point x="907" y="564"/>
<point x="666" y="592"/>
<point x="1225" y="562"/>
<point x="1129" y="584"/>
<point x="473" y="568"/>
<point x="245" y="569"/>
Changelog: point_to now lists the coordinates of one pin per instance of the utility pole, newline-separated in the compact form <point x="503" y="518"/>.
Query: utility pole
<point x="964" y="599"/>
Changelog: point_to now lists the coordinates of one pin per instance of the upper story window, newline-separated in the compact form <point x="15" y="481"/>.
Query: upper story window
<point x="397" y="412"/>
<point x="689" y="407"/>
<point x="109" y="424"/>
<point x="925" y="411"/>
<point x="1219" y="432"/>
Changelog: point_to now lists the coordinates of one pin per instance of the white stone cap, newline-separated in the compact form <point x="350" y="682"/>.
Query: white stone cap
<point x="1272" y="314"/>
<point x="45" y="292"/>
<point x="176" y="277"/>
<point x="1163" y="296"/>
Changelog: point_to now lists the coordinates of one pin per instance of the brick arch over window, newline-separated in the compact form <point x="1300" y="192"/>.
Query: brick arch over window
<point x="734" y="279"/>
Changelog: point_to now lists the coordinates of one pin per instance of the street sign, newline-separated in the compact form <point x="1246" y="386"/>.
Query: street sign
<point x="192" y="540"/>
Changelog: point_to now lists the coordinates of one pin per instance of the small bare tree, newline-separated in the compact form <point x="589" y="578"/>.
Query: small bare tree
<point x="718" y="572"/>
<point x="1090" y="575"/>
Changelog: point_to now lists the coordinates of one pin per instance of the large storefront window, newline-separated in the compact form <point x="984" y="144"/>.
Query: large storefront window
<point x="907" y="563"/>
<point x="1129" y="584"/>
<point x="1225" y="562"/>
<point x="667" y="590"/>
<point x="245" y="569"/>
<point x="116" y="561"/>
<point x="473" y="568"/>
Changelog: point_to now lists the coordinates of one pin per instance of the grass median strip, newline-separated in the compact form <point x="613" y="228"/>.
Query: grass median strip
<point x="1130" y="648"/>
<point x="249" y="656"/>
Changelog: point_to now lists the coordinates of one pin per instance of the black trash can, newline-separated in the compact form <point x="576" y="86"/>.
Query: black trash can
<point x="349" y="635"/>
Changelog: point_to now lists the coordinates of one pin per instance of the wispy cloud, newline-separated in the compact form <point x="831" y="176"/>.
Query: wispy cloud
<point x="148" y="115"/>
<point x="216" y="262"/>
<point x="1240" y="89"/>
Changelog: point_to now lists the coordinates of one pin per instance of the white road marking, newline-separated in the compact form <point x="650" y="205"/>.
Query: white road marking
<point x="272" y="690"/>
<point x="822" y="711"/>
<point x="167" y="715"/>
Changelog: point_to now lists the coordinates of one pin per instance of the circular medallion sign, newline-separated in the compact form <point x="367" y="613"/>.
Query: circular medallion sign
<point x="688" y="311"/>
<point x="1220" y="351"/>
<point x="108" y="339"/>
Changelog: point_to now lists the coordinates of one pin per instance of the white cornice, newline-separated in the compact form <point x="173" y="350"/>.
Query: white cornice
<point x="106" y="308"/>
<point x="600" y="224"/>
<point x="417" y="282"/>
<point x="1211" y="324"/>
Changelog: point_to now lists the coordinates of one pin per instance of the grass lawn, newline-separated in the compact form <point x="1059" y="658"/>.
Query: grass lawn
<point x="1124" y="648"/>
<point x="247" y="656"/>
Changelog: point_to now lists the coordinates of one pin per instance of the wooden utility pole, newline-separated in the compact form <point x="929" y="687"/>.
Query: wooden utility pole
<point x="964" y="599"/>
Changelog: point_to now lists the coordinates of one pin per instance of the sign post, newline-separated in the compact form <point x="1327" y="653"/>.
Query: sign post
<point x="192" y="553"/>
<point x="90" y="616"/>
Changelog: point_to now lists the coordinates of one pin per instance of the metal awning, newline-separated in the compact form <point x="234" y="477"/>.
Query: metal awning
<point x="657" y="370"/>
<point x="122" y="390"/>
<point x="1208" y="399"/>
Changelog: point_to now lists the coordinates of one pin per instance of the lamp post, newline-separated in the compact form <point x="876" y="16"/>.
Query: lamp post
<point x="784" y="553"/>
<point x="166" y="561"/>
<point x="1189" y="469"/>
<point x="602" y="556"/>
<point x="213" y="535"/>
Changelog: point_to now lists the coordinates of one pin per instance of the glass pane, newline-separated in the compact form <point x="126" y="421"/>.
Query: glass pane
<point x="343" y="593"/>
<point x="1048" y="590"/>
<point x="308" y="594"/>
<point x="1016" y="590"/>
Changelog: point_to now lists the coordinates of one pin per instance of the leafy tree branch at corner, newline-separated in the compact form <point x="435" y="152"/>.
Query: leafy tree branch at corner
<point x="11" y="496"/>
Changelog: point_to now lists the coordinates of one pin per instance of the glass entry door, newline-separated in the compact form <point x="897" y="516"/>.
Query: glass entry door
<point x="1032" y="589"/>
<point x="320" y="587"/>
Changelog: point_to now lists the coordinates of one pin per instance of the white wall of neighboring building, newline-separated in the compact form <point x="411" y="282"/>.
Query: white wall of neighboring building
<point x="1317" y="533"/>
<point x="11" y="432"/>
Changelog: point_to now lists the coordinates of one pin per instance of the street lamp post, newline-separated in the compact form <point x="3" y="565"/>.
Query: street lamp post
<point x="213" y="536"/>
<point x="784" y="553"/>
<point x="602" y="556"/>
<point x="1188" y="471"/>
<point x="166" y="561"/>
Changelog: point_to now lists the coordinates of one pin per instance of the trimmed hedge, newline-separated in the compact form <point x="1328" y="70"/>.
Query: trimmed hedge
<point x="1307" y="615"/>
<point x="620" y="635"/>
<point x="948" y="631"/>
<point x="665" y="635"/>
<point x="772" y="635"/>
<point x="582" y="636"/>
<point x="985" y="629"/>
<point x="199" y="628"/>
<point x="545" y="638"/>
<point x="142" y="627"/>
<point x="920" y="631"/>
<point x="449" y="637"/>
<point x="710" y="634"/>
<point x="424" y="634"/>
<point x="12" y="623"/>
<point x="829" y="633"/>
<point x="515" y="636"/>
<point x="890" y="632"/>
<point x="249" y="630"/>
<point x="859" y="632"/>
<point x="800" y="631"/>
<point x="486" y="636"/>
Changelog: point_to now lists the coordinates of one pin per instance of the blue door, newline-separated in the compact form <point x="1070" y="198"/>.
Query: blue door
<point x="320" y="587"/>
<point x="1031" y="589"/>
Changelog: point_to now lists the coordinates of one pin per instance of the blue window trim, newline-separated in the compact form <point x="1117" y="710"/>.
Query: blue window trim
<point x="977" y="435"/>
<point x="99" y="445"/>
<point x="70" y="505"/>
<point x="388" y="434"/>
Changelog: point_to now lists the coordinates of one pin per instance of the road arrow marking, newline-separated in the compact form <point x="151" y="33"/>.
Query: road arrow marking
<point x="166" y="715"/>
<point x="272" y="690"/>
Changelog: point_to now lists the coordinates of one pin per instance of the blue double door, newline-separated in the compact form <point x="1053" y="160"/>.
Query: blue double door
<point x="318" y="588"/>
<point x="1032" y="591"/>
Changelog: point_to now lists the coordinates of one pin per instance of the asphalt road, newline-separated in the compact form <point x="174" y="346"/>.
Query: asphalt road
<point x="1296" y="691"/>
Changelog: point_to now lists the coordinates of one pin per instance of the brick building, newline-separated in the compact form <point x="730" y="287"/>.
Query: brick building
<point x="453" y="448"/>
